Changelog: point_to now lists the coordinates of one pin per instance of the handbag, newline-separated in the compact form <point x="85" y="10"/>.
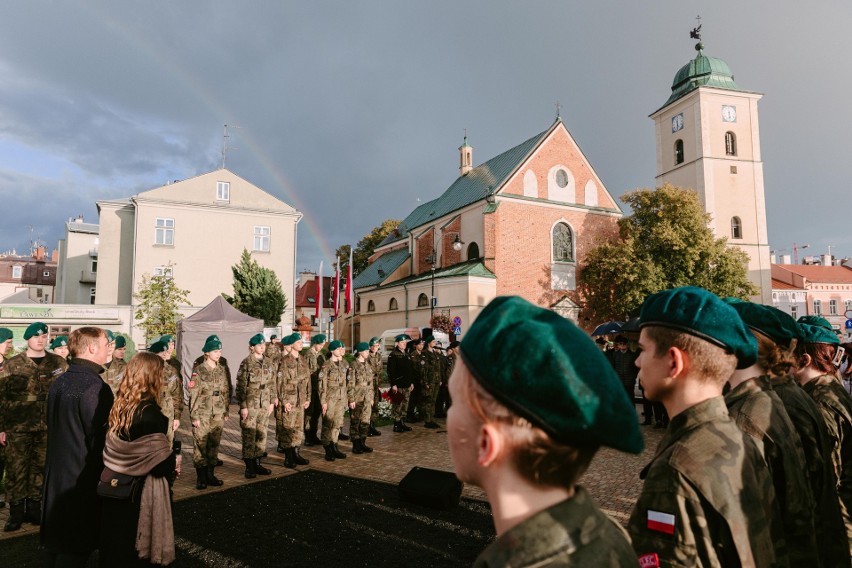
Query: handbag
<point x="114" y="485"/>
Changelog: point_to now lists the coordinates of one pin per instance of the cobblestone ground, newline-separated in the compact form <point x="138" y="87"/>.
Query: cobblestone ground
<point x="613" y="478"/>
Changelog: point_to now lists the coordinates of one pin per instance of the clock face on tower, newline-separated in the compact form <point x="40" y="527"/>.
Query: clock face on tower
<point x="677" y="122"/>
<point x="729" y="113"/>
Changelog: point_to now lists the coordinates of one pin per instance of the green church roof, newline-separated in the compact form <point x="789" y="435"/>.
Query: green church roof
<point x="380" y="269"/>
<point x="703" y="71"/>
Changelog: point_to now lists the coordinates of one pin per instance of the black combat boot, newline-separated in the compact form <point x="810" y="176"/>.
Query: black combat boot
<point x="397" y="426"/>
<point x="364" y="447"/>
<point x="201" y="478"/>
<point x="259" y="469"/>
<point x="16" y="515"/>
<point x="250" y="473"/>
<point x="290" y="458"/>
<point x="373" y="431"/>
<point x="337" y="453"/>
<point x="405" y="427"/>
<point x="33" y="511"/>
<point x="356" y="446"/>
<point x="299" y="459"/>
<point x="431" y="425"/>
<point x="281" y="449"/>
<point x="212" y="480"/>
<point x="343" y="437"/>
<point x="329" y="452"/>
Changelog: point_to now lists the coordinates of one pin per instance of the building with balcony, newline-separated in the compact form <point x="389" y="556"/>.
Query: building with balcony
<point x="78" y="263"/>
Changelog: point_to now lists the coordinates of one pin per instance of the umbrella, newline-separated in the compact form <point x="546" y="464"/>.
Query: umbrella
<point x="607" y="328"/>
<point x="631" y="325"/>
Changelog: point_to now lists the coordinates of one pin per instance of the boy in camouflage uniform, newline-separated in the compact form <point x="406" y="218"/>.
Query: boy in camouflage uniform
<point x="114" y="368"/>
<point x="401" y="384"/>
<point x="430" y="382"/>
<point x="59" y="346"/>
<point x="315" y="361"/>
<point x="332" y="395"/>
<point x="293" y="398"/>
<point x="223" y="362"/>
<point x="171" y="397"/>
<point x="256" y="397"/>
<point x="375" y="361"/>
<point x="24" y="383"/>
<point x="208" y="411"/>
<point x="360" y="394"/>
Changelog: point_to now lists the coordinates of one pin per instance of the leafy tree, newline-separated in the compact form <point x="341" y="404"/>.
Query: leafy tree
<point x="366" y="246"/>
<point x="158" y="300"/>
<point x="257" y="291"/>
<point x="665" y="243"/>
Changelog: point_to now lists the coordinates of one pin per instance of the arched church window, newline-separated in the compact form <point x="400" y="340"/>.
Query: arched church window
<point x="394" y="305"/>
<point x="736" y="228"/>
<point x="730" y="144"/>
<point x="563" y="243"/>
<point x="371" y="306"/>
<point x="678" y="148"/>
<point x="472" y="251"/>
<point x="422" y="301"/>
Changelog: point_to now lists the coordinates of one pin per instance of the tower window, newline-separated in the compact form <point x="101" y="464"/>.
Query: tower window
<point x="736" y="228"/>
<point x="678" y="148"/>
<point x="472" y="251"/>
<point x="730" y="144"/>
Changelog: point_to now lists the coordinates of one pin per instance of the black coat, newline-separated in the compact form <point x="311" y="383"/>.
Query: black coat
<point x="78" y="406"/>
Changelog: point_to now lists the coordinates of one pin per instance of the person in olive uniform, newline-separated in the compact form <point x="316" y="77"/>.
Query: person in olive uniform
<point x="24" y="384"/>
<point x="708" y="498"/>
<point x="59" y="346"/>
<point x="5" y="347"/>
<point x="114" y="368"/>
<point x="401" y="383"/>
<point x="169" y="358"/>
<point x="256" y="397"/>
<point x="375" y="360"/>
<point x="360" y="391"/>
<point x="520" y="429"/>
<point x="332" y="393"/>
<point x="293" y="398"/>
<point x="223" y="362"/>
<point x="171" y="398"/>
<point x="419" y="361"/>
<point x="430" y="382"/>
<point x="443" y="403"/>
<point x="315" y="360"/>
<point x="208" y="412"/>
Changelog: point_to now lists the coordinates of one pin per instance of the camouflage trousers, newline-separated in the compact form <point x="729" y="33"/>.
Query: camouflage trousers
<point x="26" y="453"/>
<point x="206" y="440"/>
<point x="377" y="396"/>
<point x="401" y="408"/>
<point x="168" y="410"/>
<point x="254" y="432"/>
<point x="332" y="421"/>
<point x="359" y="419"/>
<point x="428" y="396"/>
<point x="289" y="426"/>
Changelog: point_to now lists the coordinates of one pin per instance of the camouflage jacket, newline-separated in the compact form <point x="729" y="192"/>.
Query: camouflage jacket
<point x="359" y="387"/>
<point x="432" y="371"/>
<point x="571" y="533"/>
<point x="376" y="364"/>
<point x="294" y="381"/>
<point x="759" y="413"/>
<point x="274" y="352"/>
<point x="113" y="373"/>
<point x="224" y="364"/>
<point x="332" y="381"/>
<point x="419" y="366"/>
<point x="256" y="382"/>
<point x="171" y="397"/>
<point x="208" y="392"/>
<point x="708" y="498"/>
<point x="23" y="391"/>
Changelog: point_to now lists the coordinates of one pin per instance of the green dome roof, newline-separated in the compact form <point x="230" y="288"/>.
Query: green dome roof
<point x="702" y="71"/>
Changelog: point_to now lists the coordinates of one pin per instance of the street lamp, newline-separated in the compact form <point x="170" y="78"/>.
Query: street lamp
<point x="433" y="260"/>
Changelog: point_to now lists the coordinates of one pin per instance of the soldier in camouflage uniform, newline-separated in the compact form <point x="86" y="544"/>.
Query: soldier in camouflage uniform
<point x="401" y="383"/>
<point x="256" y="397"/>
<point x="24" y="383"/>
<point x="275" y="351"/>
<point x="208" y="411"/>
<point x="708" y="498"/>
<point x="293" y="398"/>
<point x="449" y="361"/>
<point x="315" y="361"/>
<point x="223" y="362"/>
<point x="332" y="394"/>
<point x="114" y="368"/>
<point x="818" y="378"/>
<point x="169" y="358"/>
<point x="375" y="361"/>
<point x="5" y="347"/>
<point x="419" y="361"/>
<point x="171" y="397"/>
<point x="360" y="392"/>
<point x="431" y="381"/>
<point x="59" y="346"/>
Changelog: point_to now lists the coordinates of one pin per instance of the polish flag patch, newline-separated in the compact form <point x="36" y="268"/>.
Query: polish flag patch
<point x="661" y="522"/>
<point x="649" y="561"/>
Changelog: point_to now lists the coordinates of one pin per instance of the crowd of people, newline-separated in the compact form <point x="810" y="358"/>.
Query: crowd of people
<point x="754" y="467"/>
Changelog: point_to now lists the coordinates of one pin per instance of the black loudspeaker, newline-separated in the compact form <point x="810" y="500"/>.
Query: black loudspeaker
<point x="431" y="488"/>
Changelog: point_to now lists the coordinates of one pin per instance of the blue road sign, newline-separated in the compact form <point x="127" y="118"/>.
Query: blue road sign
<point x="456" y="321"/>
<point x="849" y="324"/>
<point x="457" y="330"/>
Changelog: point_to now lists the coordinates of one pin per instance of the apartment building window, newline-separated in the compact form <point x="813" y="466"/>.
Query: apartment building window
<point x="736" y="228"/>
<point x="164" y="234"/>
<point x="794" y="311"/>
<point x="92" y="295"/>
<point x="223" y="191"/>
<point x="817" y="307"/>
<point x="163" y="271"/>
<point x="848" y="305"/>
<point x="261" y="239"/>
<point x="94" y="266"/>
<point x="17" y="271"/>
<point x="832" y="307"/>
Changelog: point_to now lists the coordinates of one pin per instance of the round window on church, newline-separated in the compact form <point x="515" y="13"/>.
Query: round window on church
<point x="561" y="178"/>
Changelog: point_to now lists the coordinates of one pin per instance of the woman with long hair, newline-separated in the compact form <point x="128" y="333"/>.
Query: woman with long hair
<point x="137" y="530"/>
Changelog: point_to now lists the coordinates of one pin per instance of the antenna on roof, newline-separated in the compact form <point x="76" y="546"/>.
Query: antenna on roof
<point x="558" y="107"/>
<point x="225" y="137"/>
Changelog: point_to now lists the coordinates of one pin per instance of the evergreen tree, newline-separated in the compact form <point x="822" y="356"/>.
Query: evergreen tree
<point x="158" y="301"/>
<point x="257" y="291"/>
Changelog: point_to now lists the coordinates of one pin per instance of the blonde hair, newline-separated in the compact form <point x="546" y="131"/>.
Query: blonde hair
<point x="708" y="362"/>
<point x="143" y="378"/>
<point x="772" y="358"/>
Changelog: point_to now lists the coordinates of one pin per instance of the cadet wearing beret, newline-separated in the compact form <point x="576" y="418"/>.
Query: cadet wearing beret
<point x="431" y="380"/>
<point x="375" y="360"/>
<point x="526" y="429"/>
<point x="419" y="369"/>
<point x="818" y="321"/>
<point x="274" y="349"/>
<point x="171" y="397"/>
<point x="449" y="362"/>
<point x="708" y="499"/>
<point x="315" y="360"/>
<point x="401" y="382"/>
<point x="208" y="412"/>
<point x="24" y="384"/>
<point x="293" y="398"/>
<point x="359" y="390"/>
<point x="115" y="365"/>
<point x="59" y="346"/>
<point x="817" y="374"/>
<point x="223" y="362"/>
<point x="333" y="378"/>
<point x="5" y="346"/>
<point x="256" y="397"/>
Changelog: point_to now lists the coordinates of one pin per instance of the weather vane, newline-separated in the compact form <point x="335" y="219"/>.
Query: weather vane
<point x="696" y="32"/>
<point x="558" y="106"/>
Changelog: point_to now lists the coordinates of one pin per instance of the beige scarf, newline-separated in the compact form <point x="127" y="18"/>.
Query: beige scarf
<point x="155" y="535"/>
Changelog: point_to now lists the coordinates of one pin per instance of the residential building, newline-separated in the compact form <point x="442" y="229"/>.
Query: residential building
<point x="306" y="301"/>
<point x="828" y="290"/>
<point x="789" y="298"/>
<point x="28" y="278"/>
<point x="78" y="263"/>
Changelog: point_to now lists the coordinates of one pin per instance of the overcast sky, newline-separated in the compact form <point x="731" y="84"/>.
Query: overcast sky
<point x="351" y="111"/>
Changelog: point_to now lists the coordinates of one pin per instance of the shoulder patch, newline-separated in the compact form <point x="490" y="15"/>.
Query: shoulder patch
<point x="661" y="522"/>
<point x="192" y="383"/>
<point x="649" y="561"/>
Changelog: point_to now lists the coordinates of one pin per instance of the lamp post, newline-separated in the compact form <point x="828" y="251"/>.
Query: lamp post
<point x="433" y="260"/>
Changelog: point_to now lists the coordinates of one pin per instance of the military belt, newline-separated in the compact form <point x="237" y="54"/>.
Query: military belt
<point x="215" y="393"/>
<point x="28" y="398"/>
<point x="261" y="387"/>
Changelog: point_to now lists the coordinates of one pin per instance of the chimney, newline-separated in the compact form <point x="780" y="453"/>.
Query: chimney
<point x="54" y="256"/>
<point x="39" y="255"/>
<point x="465" y="156"/>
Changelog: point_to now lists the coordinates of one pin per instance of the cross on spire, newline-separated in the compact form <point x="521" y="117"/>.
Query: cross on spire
<point x="558" y="107"/>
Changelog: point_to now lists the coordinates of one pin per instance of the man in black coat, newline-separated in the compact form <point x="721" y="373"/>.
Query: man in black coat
<point x="78" y="406"/>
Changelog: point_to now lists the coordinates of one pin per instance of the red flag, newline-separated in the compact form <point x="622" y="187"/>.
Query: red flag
<point x="336" y="293"/>
<point x="349" y="284"/>
<point x="318" y="296"/>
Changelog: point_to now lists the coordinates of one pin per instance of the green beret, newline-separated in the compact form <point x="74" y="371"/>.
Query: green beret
<point x="817" y="334"/>
<point x="816" y="320"/>
<point x="297" y="337"/>
<point x="214" y="336"/>
<point x="5" y="334"/>
<point x="110" y="336"/>
<point x="428" y="339"/>
<point x="703" y="314"/>
<point x="767" y="320"/>
<point x="167" y="338"/>
<point x="158" y="347"/>
<point x="363" y="346"/>
<point x="374" y="341"/>
<point x="318" y="338"/>
<point x="565" y="386"/>
<point x="35" y="329"/>
<point x="61" y="341"/>
<point x="291" y="339"/>
<point x="401" y="337"/>
<point x="257" y="339"/>
<point x="120" y="342"/>
<point x="336" y="344"/>
<point x="273" y="336"/>
<point x="211" y="345"/>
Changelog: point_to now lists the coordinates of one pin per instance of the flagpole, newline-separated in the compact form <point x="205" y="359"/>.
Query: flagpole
<point x="350" y="302"/>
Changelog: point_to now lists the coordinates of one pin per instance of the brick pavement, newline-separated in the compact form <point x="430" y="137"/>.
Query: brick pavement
<point x="612" y="480"/>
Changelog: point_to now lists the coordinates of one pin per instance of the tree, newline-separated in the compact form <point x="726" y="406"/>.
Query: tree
<point x="366" y="246"/>
<point x="257" y="291"/>
<point x="665" y="243"/>
<point x="159" y="298"/>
